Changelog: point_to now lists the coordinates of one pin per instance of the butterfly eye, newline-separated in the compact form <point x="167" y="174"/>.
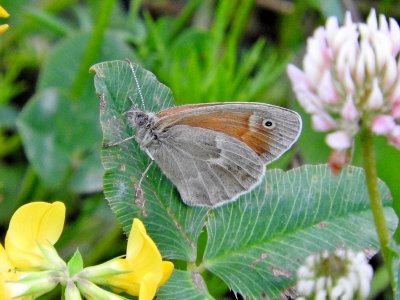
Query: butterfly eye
<point x="269" y="124"/>
<point x="141" y="119"/>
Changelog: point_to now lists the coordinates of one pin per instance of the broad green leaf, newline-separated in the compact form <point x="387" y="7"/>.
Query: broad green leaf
<point x="257" y="243"/>
<point x="314" y="150"/>
<point x="11" y="177"/>
<point x="57" y="135"/>
<point x="8" y="116"/>
<point x="61" y="134"/>
<point x="184" y="285"/>
<point x="174" y="226"/>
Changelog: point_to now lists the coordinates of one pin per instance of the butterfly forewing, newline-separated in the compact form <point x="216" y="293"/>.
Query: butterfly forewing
<point x="268" y="130"/>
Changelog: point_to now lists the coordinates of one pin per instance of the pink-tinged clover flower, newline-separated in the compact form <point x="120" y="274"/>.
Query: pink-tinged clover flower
<point x="140" y="273"/>
<point x="351" y="76"/>
<point x="3" y="14"/>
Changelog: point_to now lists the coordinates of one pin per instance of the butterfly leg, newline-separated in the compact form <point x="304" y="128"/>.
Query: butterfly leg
<point x="138" y="188"/>
<point x="119" y="142"/>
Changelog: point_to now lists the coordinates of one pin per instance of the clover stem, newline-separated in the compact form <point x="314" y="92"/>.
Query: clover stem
<point x="374" y="196"/>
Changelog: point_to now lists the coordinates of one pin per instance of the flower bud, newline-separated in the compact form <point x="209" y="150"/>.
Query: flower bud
<point x="375" y="98"/>
<point x="92" y="291"/>
<point x="34" y="283"/>
<point x="100" y="273"/>
<point x="369" y="57"/>
<point x="326" y="89"/>
<point x="390" y="73"/>
<point x="394" y="137"/>
<point x="394" y="36"/>
<point x="323" y="122"/>
<point x="349" y="110"/>
<point x="383" y="124"/>
<point x="338" y="160"/>
<point x="396" y="110"/>
<point x="383" y="24"/>
<point x="372" y="22"/>
<point x="339" y="140"/>
<point x="71" y="291"/>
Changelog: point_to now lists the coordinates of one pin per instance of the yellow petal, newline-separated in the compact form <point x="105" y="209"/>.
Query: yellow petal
<point x="4" y="293"/>
<point x="142" y="253"/>
<point x="37" y="222"/>
<point x="148" y="287"/>
<point x="32" y="224"/>
<point x="143" y="262"/>
<point x="3" y="13"/>
<point x="3" y="28"/>
<point x="135" y="240"/>
<point x="24" y="258"/>
<point x="128" y="282"/>
<point x="5" y="263"/>
<point x="168" y="267"/>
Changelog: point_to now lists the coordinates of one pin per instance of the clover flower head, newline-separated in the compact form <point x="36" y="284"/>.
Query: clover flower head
<point x="342" y="274"/>
<point x="351" y="74"/>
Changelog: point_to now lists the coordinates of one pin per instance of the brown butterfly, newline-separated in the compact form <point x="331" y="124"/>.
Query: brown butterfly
<point x="215" y="152"/>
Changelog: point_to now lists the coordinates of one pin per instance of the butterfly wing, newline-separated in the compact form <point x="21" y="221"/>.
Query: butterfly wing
<point x="207" y="167"/>
<point x="247" y="122"/>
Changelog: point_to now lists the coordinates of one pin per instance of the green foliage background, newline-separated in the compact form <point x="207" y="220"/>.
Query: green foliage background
<point x="50" y="134"/>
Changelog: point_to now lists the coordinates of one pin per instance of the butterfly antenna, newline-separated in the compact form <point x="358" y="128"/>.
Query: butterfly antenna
<point x="137" y="83"/>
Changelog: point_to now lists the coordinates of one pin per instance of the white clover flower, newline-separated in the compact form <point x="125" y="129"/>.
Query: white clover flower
<point x="339" y="275"/>
<point x="351" y="74"/>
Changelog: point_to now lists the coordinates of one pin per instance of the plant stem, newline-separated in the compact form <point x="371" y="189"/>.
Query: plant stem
<point x="375" y="198"/>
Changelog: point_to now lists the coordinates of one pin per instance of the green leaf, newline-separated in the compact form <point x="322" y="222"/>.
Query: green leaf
<point x="75" y="264"/>
<point x="257" y="243"/>
<point x="47" y="21"/>
<point x="174" y="226"/>
<point x="57" y="134"/>
<point x="8" y="116"/>
<point x="184" y="285"/>
<point x="61" y="134"/>
<point x="10" y="186"/>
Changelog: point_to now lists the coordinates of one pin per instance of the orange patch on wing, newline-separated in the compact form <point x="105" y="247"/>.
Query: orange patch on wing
<point x="177" y="109"/>
<point x="232" y="123"/>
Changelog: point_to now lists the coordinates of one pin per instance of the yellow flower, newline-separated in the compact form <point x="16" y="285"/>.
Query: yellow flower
<point x="3" y="14"/>
<point x="140" y="273"/>
<point x="33" y="227"/>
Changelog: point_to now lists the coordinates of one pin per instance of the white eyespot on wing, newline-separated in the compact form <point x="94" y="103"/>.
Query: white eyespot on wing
<point x="275" y="130"/>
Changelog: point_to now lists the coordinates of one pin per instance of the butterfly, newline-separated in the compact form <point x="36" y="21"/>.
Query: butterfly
<point x="214" y="152"/>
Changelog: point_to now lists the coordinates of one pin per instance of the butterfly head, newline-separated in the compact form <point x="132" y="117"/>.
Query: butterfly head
<point x="138" y="118"/>
<point x="143" y="123"/>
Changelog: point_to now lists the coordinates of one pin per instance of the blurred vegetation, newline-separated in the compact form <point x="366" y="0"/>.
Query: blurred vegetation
<point x="226" y="50"/>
